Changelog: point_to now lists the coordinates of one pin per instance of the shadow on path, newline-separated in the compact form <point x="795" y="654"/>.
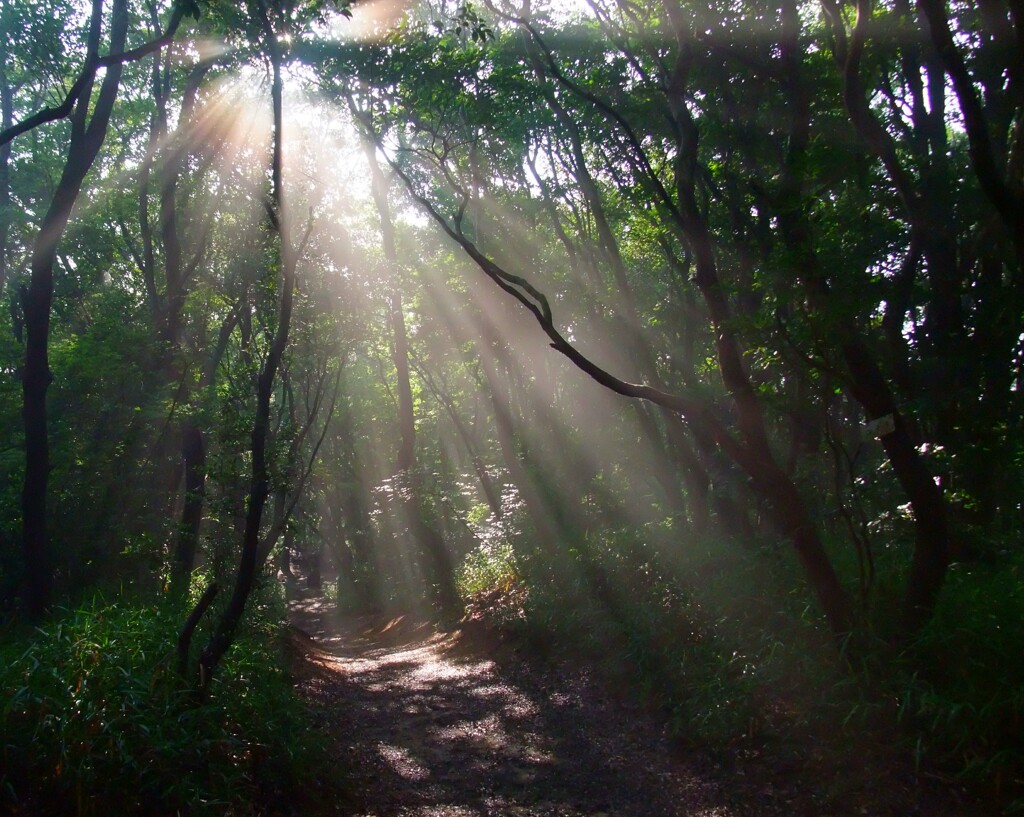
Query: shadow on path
<point x="456" y="724"/>
<point x="426" y="731"/>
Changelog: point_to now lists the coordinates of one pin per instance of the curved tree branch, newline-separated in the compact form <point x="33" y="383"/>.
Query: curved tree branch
<point x="1008" y="201"/>
<point x="86" y="75"/>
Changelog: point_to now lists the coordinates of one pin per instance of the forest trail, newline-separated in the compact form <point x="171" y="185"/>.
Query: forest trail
<point x="459" y="723"/>
<point x="429" y="725"/>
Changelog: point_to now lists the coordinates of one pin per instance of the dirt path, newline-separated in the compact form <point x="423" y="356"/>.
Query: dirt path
<point x="428" y="725"/>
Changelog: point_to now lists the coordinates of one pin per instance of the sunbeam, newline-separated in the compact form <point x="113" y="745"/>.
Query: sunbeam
<point x="511" y="407"/>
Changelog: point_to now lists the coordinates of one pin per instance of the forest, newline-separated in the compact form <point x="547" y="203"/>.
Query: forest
<point x="680" y="340"/>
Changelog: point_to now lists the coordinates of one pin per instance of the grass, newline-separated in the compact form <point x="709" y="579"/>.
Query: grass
<point x="961" y="682"/>
<point x="726" y="642"/>
<point x="96" y="721"/>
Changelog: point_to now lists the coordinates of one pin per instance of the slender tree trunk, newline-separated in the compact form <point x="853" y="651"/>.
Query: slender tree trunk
<point x="695" y="475"/>
<point x="931" y="522"/>
<point x="666" y="470"/>
<point x="867" y="384"/>
<point x="194" y="455"/>
<point x="628" y="328"/>
<point x="358" y="529"/>
<point x="315" y="560"/>
<point x="400" y="357"/>
<point x="550" y="533"/>
<point x="441" y="565"/>
<point x="6" y="120"/>
<point x="227" y="625"/>
<point x="168" y="319"/>
<point x="750" y="449"/>
<point x="87" y="136"/>
<point x="347" y="580"/>
<point x="786" y="506"/>
<point x="486" y="483"/>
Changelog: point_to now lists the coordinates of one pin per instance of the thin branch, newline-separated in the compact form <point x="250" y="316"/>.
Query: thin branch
<point x="85" y="77"/>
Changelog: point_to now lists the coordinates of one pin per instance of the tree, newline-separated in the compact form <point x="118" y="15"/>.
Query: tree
<point x="281" y="222"/>
<point x="88" y="130"/>
<point x="741" y="222"/>
<point x="405" y="480"/>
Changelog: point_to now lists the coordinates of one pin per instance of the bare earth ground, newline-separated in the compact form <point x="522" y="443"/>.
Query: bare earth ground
<point x="435" y="724"/>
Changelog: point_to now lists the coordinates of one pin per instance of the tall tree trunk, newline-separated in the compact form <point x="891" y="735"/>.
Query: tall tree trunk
<point x="358" y="528"/>
<point x="227" y="625"/>
<point x="628" y="328"/>
<point x="866" y="383"/>
<point x="167" y="316"/>
<point x="546" y="519"/>
<point x="490" y="491"/>
<point x="441" y="565"/>
<point x="87" y="136"/>
<point x="752" y="451"/>
<point x="6" y="120"/>
<point x="194" y="455"/>
<point x="557" y="522"/>
<point x="749" y="447"/>
<point x="786" y="506"/>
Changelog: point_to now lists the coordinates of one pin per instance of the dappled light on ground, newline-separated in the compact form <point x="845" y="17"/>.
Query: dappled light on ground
<point x="433" y="726"/>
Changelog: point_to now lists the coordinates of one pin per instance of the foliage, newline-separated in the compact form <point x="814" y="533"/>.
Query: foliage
<point x="688" y="640"/>
<point x="960" y="685"/>
<point x="732" y="669"/>
<point x="97" y="721"/>
<point x="777" y="226"/>
<point x="492" y="566"/>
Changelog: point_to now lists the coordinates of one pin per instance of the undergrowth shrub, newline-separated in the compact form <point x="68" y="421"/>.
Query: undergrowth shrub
<point x="96" y="721"/>
<point x="728" y="643"/>
<point x="678" y="635"/>
<point x="960" y="684"/>
<point x="491" y="566"/>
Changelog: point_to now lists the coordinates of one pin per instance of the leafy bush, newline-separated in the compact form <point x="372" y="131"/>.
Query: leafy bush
<point x="491" y="566"/>
<point x="961" y="683"/>
<point x="95" y="719"/>
<point x="614" y="596"/>
<point x="727" y="644"/>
